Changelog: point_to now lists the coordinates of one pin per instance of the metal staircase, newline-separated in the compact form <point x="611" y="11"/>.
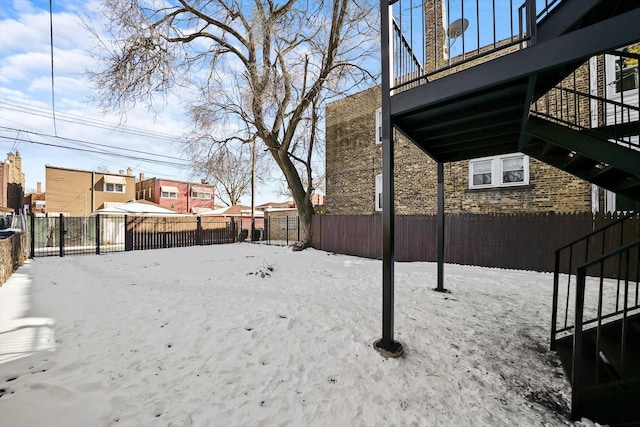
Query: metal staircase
<point x="489" y="107"/>
<point x="595" y="325"/>
<point x="542" y="89"/>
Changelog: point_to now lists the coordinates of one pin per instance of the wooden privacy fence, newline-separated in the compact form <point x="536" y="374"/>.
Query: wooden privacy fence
<point x="515" y="241"/>
<point x="60" y="235"/>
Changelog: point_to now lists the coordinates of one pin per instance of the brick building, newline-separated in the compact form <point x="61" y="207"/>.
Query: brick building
<point x="181" y="196"/>
<point x="354" y="168"/>
<point x="36" y="201"/>
<point x="12" y="182"/>
<point x="510" y="183"/>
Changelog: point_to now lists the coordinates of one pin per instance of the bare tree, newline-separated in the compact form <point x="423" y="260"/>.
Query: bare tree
<point x="255" y="69"/>
<point x="227" y="166"/>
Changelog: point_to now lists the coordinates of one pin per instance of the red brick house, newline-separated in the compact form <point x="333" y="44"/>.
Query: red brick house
<point x="178" y="195"/>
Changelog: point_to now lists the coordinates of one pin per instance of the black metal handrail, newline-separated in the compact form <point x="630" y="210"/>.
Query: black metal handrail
<point x="479" y="32"/>
<point x="613" y="117"/>
<point x="627" y="258"/>
<point x="571" y="250"/>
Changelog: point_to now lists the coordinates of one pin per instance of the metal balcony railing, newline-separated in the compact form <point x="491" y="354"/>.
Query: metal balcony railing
<point x="568" y="258"/>
<point x="602" y="96"/>
<point x="618" y="299"/>
<point x="433" y="38"/>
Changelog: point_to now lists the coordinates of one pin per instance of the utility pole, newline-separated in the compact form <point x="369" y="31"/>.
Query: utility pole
<point x="253" y="189"/>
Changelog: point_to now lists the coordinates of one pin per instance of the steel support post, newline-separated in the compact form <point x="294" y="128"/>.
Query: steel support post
<point x="387" y="346"/>
<point x="440" y="229"/>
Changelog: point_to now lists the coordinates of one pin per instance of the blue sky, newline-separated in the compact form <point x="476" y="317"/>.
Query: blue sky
<point x="26" y="118"/>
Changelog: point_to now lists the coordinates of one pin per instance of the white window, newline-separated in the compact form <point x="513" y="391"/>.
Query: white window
<point x="168" y="192"/>
<point x="169" y="195"/>
<point x="623" y="86"/>
<point x="379" y="126"/>
<point x="113" y="188"/>
<point x="622" y="71"/>
<point x="378" y="192"/>
<point x="114" y="184"/>
<point x="200" y="195"/>
<point x="40" y="204"/>
<point x="499" y="171"/>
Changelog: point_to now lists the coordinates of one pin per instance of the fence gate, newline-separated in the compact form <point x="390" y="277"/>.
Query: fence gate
<point x="63" y="235"/>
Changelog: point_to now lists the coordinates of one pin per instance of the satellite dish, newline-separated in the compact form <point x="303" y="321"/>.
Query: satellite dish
<point x="457" y="28"/>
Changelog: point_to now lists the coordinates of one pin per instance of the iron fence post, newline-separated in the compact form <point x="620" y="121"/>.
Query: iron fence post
<point x="98" y="234"/>
<point x="33" y="236"/>
<point x="554" y="308"/>
<point x="128" y="235"/>
<point x="61" y="234"/>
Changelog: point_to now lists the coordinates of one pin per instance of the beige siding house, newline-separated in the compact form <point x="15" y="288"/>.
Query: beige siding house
<point x="74" y="192"/>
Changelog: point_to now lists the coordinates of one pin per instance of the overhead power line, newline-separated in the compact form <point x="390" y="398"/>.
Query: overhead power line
<point x="85" y="121"/>
<point x="97" y="148"/>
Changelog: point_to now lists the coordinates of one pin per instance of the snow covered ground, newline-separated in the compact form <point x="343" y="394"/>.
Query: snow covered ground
<point x="249" y="335"/>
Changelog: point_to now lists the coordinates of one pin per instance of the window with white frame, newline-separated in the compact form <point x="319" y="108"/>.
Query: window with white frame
<point x="379" y="126"/>
<point x="499" y="171"/>
<point x="113" y="188"/>
<point x="200" y="195"/>
<point x="622" y="71"/>
<point x="40" y="204"/>
<point x="169" y="195"/>
<point x="168" y="192"/>
<point x="378" y="196"/>
<point x="114" y="184"/>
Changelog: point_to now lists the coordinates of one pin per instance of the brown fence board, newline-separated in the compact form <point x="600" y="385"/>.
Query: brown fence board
<point x="516" y="241"/>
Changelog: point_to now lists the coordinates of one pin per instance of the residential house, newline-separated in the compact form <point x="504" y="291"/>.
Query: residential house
<point x="181" y="196"/>
<point x="12" y="182"/>
<point x="36" y="201"/>
<point x="509" y="182"/>
<point x="74" y="192"/>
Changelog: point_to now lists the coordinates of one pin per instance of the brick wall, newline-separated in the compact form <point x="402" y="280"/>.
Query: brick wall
<point x="12" y="255"/>
<point x="353" y="160"/>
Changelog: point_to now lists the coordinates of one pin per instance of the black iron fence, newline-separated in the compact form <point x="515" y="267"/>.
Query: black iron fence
<point x="60" y="235"/>
<point x="280" y="230"/>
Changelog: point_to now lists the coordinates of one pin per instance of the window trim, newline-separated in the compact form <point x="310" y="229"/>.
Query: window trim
<point x="168" y="195"/>
<point x="200" y="195"/>
<point x="612" y="78"/>
<point x="378" y="193"/>
<point x="497" y="171"/>
<point x="378" y="136"/>
<point x="114" y="187"/>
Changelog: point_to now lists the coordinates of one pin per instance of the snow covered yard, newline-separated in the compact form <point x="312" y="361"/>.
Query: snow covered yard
<point x="197" y="336"/>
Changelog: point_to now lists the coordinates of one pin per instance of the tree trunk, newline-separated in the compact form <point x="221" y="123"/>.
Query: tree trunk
<point x="301" y="198"/>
